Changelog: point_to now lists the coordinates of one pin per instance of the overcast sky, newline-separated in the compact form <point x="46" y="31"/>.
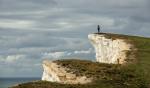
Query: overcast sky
<point x="32" y="30"/>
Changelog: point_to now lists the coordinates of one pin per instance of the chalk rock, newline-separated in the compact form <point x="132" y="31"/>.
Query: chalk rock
<point x="109" y="50"/>
<point x="56" y="73"/>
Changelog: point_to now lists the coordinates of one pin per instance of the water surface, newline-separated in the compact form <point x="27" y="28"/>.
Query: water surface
<point x="7" y="82"/>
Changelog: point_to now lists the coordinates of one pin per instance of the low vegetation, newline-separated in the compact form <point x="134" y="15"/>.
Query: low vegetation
<point x="134" y="74"/>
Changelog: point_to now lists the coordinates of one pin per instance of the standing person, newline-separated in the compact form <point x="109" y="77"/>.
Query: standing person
<point x="98" y="28"/>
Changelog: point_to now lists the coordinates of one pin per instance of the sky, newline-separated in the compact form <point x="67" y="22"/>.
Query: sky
<point x="34" y="30"/>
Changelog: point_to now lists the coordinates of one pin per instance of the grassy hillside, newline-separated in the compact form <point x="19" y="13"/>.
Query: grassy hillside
<point x="134" y="74"/>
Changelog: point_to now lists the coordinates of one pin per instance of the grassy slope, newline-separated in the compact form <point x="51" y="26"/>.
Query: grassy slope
<point x="142" y="54"/>
<point x="133" y="75"/>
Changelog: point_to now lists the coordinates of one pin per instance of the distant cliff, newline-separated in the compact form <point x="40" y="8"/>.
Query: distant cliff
<point x="109" y="50"/>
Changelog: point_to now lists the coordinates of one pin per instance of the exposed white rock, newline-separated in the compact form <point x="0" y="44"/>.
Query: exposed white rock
<point x="56" y="73"/>
<point x="108" y="50"/>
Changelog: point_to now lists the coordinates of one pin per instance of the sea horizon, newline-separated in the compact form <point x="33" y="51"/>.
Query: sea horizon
<point x="6" y="82"/>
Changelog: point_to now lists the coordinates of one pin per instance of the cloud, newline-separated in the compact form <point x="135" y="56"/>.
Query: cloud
<point x="54" y="55"/>
<point x="18" y="5"/>
<point x="65" y="54"/>
<point x="83" y="51"/>
<point x="11" y="58"/>
<point x="16" y="24"/>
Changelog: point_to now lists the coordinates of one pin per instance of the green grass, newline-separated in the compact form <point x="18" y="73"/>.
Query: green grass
<point x="131" y="75"/>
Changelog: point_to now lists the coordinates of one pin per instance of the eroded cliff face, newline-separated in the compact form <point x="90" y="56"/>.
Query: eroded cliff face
<point x="109" y="50"/>
<point x="56" y="73"/>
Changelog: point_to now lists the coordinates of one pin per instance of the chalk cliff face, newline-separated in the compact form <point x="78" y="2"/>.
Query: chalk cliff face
<point x="56" y="73"/>
<point x="109" y="50"/>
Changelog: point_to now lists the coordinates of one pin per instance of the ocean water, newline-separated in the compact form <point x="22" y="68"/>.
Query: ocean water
<point x="8" y="82"/>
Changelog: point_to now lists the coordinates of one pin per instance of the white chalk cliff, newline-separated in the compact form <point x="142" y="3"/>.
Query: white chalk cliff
<point x="109" y="50"/>
<point x="56" y="73"/>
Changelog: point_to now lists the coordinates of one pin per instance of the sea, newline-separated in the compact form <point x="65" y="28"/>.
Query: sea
<point x="8" y="82"/>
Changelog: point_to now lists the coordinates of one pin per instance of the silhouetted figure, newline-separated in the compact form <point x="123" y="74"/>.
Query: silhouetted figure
<point x="118" y="61"/>
<point x="98" y="28"/>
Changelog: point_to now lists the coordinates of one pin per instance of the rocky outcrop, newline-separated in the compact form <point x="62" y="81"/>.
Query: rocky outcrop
<point x="109" y="50"/>
<point x="56" y="73"/>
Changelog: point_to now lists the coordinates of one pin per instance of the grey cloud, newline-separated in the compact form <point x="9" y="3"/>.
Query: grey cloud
<point x="30" y="41"/>
<point x="17" y="65"/>
<point x="25" y="4"/>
